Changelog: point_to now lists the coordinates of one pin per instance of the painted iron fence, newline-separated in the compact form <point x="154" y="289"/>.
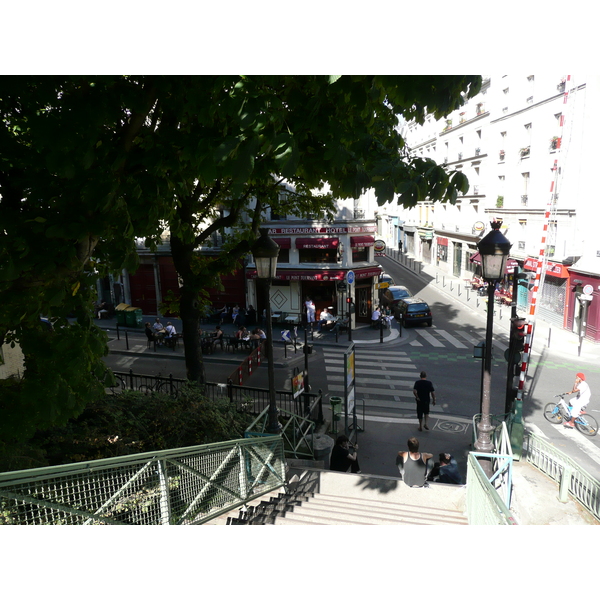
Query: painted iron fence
<point x="571" y="478"/>
<point x="297" y="432"/>
<point x="484" y="504"/>
<point x="253" y="400"/>
<point x="184" y="486"/>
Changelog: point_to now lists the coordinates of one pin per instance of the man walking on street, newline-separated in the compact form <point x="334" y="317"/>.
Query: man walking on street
<point x="422" y="391"/>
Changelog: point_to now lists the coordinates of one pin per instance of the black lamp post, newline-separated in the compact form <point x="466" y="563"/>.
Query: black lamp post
<point x="265" y="252"/>
<point x="494" y="249"/>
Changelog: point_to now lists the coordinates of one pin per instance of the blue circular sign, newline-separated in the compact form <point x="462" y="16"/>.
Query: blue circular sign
<point x="350" y="276"/>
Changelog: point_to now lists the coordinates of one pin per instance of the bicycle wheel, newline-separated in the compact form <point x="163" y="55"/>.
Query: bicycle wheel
<point x="145" y="389"/>
<point x="164" y="387"/>
<point x="586" y="424"/>
<point x="118" y="387"/>
<point x="552" y="413"/>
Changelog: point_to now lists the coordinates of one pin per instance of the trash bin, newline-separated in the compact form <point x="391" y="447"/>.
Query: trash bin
<point x="336" y="411"/>
<point x="133" y="316"/>
<point x="120" y="312"/>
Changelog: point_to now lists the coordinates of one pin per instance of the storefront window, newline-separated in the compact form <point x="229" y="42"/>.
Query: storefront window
<point x="313" y="255"/>
<point x="443" y="253"/>
<point x="360" y="254"/>
<point x="284" y="256"/>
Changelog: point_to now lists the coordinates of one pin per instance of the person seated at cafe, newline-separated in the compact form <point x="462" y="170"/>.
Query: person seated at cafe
<point x="375" y="316"/>
<point x="159" y="330"/>
<point x="170" y="330"/>
<point x="340" y="324"/>
<point x="149" y="333"/>
<point x="235" y="313"/>
<point x="326" y="320"/>
<point x="217" y="333"/>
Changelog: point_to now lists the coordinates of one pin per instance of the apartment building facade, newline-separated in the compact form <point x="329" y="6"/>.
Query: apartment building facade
<point x="524" y="142"/>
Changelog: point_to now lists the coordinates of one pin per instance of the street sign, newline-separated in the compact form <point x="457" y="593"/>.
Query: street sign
<point x="588" y="289"/>
<point x="350" y="277"/>
<point x="586" y="297"/>
<point x="382" y="285"/>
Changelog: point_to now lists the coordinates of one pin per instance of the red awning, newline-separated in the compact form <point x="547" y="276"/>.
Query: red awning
<point x="476" y="258"/>
<point x="442" y="241"/>
<point x="369" y="272"/>
<point x="284" y="243"/>
<point x="317" y="243"/>
<point x="303" y="275"/>
<point x="362" y="241"/>
<point x="555" y="269"/>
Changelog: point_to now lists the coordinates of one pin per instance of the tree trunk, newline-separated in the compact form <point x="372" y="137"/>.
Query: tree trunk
<point x="190" y="320"/>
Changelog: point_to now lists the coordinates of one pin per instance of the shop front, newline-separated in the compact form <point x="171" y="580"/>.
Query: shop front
<point x="583" y="285"/>
<point x="552" y="299"/>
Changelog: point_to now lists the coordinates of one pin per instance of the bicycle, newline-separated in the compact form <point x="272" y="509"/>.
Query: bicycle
<point x="556" y="413"/>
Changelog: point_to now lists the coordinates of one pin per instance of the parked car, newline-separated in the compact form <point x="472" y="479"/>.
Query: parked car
<point x="413" y="311"/>
<point x="385" y="278"/>
<point x="392" y="295"/>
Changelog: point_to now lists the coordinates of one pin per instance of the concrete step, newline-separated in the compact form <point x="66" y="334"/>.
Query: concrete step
<point x="334" y="510"/>
<point x="436" y="516"/>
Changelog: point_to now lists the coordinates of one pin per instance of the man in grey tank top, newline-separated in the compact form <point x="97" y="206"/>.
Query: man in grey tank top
<point x="413" y="464"/>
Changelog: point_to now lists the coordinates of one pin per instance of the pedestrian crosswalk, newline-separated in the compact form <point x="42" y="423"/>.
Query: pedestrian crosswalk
<point x="440" y="338"/>
<point x="385" y="378"/>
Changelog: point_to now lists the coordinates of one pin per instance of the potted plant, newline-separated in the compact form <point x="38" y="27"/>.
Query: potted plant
<point x="555" y="142"/>
<point x="561" y="86"/>
<point x="479" y="108"/>
<point x="499" y="201"/>
<point x="501" y="154"/>
<point x="477" y="151"/>
<point x="524" y="151"/>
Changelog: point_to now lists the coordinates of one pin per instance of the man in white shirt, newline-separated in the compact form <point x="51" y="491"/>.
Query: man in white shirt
<point x="325" y="318"/>
<point x="375" y="317"/>
<point x="581" y="400"/>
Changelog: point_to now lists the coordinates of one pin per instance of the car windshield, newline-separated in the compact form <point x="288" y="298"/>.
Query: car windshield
<point x="400" y="293"/>
<point x="418" y="307"/>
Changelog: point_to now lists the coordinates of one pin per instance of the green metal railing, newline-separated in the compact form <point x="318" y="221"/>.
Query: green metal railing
<point x="184" y="486"/>
<point x="297" y="432"/>
<point x="571" y="478"/>
<point x="484" y="504"/>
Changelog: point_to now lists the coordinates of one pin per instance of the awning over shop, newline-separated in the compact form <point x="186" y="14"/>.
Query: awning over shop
<point x="317" y="243"/>
<point x="362" y="241"/>
<point x="303" y="275"/>
<point x="442" y="241"/>
<point x="554" y="269"/>
<point x="369" y="272"/>
<point x="283" y="243"/>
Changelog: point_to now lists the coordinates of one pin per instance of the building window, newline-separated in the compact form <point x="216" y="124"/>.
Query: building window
<point x="360" y="255"/>
<point x="505" y="90"/>
<point x="314" y="255"/>
<point x="284" y="255"/>
<point x="442" y="252"/>
<point x="527" y="126"/>
<point x="521" y="245"/>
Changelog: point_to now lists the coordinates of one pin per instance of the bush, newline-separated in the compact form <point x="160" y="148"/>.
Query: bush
<point x="133" y="422"/>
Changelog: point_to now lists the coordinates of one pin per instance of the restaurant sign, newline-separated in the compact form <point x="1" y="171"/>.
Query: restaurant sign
<point x="322" y="230"/>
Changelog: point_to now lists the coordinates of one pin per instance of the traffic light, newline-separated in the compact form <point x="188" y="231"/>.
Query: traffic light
<point x="349" y="299"/>
<point x="517" y="333"/>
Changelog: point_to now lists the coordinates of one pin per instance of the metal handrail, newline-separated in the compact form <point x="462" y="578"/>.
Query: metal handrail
<point x="296" y="432"/>
<point x="182" y="486"/>
<point x="572" y="479"/>
<point x="484" y="504"/>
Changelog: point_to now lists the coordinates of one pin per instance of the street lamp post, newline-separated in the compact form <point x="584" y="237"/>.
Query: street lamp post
<point x="494" y="249"/>
<point x="265" y="252"/>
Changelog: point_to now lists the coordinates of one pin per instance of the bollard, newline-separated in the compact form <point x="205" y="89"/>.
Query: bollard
<point x="549" y="335"/>
<point x="437" y="277"/>
<point x="565" y="483"/>
<point x="126" y="340"/>
<point x="380" y="330"/>
<point x="443" y="281"/>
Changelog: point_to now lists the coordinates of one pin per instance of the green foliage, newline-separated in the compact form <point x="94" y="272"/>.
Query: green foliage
<point x="133" y="422"/>
<point x="89" y="164"/>
<point x="499" y="201"/>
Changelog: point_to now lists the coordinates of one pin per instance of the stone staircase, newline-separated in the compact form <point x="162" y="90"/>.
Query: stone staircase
<point x="318" y="497"/>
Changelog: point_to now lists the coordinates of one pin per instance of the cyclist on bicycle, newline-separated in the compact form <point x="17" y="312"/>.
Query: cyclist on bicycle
<point x="580" y="402"/>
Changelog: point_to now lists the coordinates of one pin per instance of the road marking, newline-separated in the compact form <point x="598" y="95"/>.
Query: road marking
<point x="451" y="338"/>
<point x="429" y="338"/>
